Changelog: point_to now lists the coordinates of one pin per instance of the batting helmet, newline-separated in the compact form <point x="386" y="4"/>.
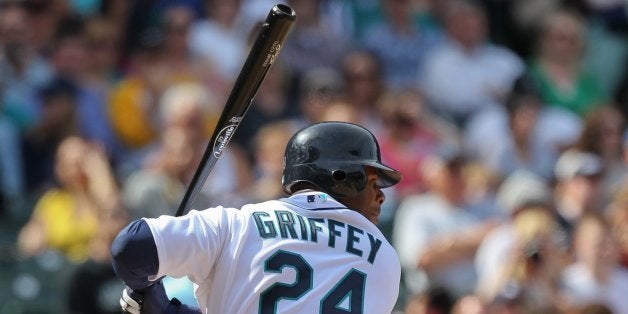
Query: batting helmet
<point x="332" y="156"/>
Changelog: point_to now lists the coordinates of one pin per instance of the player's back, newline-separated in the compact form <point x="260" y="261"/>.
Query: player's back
<point x="303" y="254"/>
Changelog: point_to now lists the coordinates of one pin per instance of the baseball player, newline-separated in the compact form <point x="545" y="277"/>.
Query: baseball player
<point x="316" y="251"/>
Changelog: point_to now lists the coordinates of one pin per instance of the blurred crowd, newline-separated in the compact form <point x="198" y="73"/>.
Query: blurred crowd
<point x="506" y="118"/>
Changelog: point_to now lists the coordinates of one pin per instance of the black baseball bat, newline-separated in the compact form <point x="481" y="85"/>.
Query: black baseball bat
<point x="263" y="53"/>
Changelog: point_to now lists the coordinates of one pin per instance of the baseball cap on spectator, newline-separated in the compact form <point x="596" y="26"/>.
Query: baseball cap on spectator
<point x="573" y="163"/>
<point x="521" y="189"/>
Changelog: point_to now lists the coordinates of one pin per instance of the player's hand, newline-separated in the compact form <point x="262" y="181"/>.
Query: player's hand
<point x="131" y="301"/>
<point x="150" y="300"/>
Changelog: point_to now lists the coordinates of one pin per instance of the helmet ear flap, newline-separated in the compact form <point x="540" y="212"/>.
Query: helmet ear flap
<point x="348" y="181"/>
<point x="339" y="175"/>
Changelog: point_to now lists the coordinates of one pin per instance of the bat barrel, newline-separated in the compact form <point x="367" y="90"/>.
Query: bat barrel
<point x="262" y="55"/>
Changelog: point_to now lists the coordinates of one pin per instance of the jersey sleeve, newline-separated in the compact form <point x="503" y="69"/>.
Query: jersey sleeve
<point x="189" y="245"/>
<point x="134" y="255"/>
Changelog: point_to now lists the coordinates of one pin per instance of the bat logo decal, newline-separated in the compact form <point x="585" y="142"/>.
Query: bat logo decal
<point x="272" y="54"/>
<point x="223" y="138"/>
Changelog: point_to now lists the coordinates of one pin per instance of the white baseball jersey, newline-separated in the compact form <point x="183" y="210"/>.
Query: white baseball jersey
<point x="304" y="254"/>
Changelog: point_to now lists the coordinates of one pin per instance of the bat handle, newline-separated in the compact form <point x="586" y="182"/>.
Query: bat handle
<point x="261" y="56"/>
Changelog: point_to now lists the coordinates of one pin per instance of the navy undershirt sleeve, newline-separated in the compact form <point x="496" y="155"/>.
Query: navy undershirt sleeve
<point x="134" y="255"/>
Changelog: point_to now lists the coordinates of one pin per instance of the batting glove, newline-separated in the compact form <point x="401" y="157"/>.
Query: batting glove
<point x="131" y="301"/>
<point x="150" y="300"/>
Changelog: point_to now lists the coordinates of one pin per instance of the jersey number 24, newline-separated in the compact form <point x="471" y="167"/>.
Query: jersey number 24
<point x="349" y="291"/>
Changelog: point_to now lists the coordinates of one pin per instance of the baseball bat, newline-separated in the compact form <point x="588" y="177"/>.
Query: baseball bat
<point x="263" y="53"/>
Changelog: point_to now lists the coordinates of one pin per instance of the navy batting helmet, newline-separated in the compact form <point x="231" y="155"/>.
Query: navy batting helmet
<point x="332" y="156"/>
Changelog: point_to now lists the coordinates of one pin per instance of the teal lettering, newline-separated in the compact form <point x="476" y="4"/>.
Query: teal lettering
<point x="375" y="245"/>
<point x="351" y="239"/>
<point x="286" y="224"/>
<point x="333" y="233"/>
<point x="314" y="228"/>
<point x="266" y="228"/>
<point x="303" y="227"/>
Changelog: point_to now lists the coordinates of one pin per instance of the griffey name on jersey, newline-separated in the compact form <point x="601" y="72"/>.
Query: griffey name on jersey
<point x="289" y="225"/>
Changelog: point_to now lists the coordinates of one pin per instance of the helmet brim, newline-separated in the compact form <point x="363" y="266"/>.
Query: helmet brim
<point x="387" y="176"/>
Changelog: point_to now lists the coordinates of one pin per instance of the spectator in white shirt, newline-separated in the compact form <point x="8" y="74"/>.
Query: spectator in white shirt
<point x="435" y="234"/>
<point x="595" y="276"/>
<point x="465" y="73"/>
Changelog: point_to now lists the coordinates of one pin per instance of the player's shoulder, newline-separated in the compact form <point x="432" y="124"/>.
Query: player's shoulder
<point x="268" y="206"/>
<point x="241" y="214"/>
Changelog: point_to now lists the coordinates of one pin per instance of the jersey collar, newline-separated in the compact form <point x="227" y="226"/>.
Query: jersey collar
<point x="313" y="200"/>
